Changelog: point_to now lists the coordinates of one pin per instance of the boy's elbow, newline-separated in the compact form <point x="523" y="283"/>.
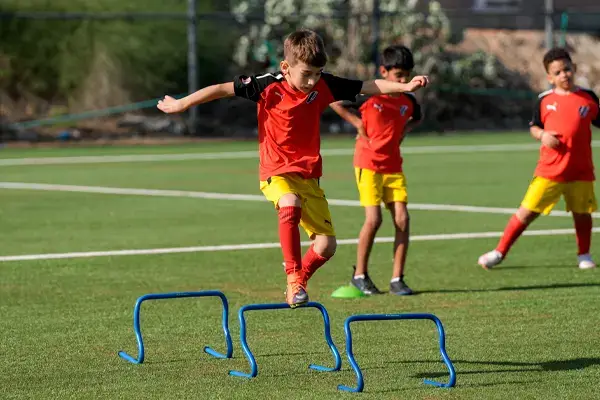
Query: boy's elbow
<point x="338" y="107"/>
<point x="226" y="89"/>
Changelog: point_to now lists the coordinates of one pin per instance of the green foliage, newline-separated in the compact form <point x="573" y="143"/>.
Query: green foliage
<point x="63" y="59"/>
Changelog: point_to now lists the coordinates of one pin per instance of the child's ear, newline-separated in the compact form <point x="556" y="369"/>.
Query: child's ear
<point x="382" y="71"/>
<point x="284" y="65"/>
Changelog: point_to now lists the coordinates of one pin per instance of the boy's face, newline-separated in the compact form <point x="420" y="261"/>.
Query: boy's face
<point x="395" y="74"/>
<point x="561" y="74"/>
<point x="301" y="76"/>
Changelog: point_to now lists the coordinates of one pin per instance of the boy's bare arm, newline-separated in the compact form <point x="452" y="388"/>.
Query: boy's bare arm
<point x="548" y="138"/>
<point x="171" y="105"/>
<point x="350" y="117"/>
<point x="382" y="86"/>
<point x="346" y="115"/>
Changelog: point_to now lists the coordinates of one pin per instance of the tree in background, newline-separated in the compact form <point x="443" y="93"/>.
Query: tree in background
<point x="461" y="81"/>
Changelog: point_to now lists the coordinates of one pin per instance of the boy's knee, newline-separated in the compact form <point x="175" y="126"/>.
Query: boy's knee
<point x="289" y="200"/>
<point x="401" y="222"/>
<point x="373" y="222"/>
<point x="325" y="246"/>
<point x="526" y="216"/>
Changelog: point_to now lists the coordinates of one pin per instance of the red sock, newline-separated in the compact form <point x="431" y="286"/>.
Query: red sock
<point x="289" y="237"/>
<point x="583" y="230"/>
<point x="311" y="262"/>
<point x="513" y="230"/>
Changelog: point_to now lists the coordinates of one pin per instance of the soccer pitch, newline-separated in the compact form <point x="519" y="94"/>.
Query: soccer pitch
<point x="85" y="231"/>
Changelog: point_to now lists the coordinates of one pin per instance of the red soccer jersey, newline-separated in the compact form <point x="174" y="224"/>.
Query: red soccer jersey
<point x="571" y="116"/>
<point x="289" y="120"/>
<point x="384" y="118"/>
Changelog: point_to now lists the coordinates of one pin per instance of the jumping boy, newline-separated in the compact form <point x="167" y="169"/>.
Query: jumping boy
<point x="561" y="122"/>
<point x="385" y="119"/>
<point x="290" y="104"/>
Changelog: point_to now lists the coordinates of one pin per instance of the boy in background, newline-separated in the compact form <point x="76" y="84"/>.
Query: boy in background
<point x="385" y="119"/>
<point x="562" y="120"/>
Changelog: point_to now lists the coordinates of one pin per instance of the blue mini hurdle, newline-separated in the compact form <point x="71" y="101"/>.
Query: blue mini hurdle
<point x="179" y="295"/>
<point x="277" y="306"/>
<point x="387" y="317"/>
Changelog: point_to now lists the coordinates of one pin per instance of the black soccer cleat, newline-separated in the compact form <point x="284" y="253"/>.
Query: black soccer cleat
<point x="365" y="284"/>
<point x="399" y="288"/>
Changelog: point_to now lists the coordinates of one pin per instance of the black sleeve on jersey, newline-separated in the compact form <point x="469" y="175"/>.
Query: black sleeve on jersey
<point x="416" y="114"/>
<point x="536" y="119"/>
<point x="250" y="87"/>
<point x="595" y="122"/>
<point x="342" y="88"/>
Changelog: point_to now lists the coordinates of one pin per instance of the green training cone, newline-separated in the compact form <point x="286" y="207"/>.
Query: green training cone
<point x="347" y="292"/>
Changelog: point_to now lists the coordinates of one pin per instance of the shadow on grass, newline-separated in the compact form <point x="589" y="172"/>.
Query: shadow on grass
<point x="515" y="288"/>
<point x="517" y="367"/>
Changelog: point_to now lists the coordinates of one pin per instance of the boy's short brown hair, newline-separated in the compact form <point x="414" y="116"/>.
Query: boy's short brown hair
<point x="305" y="46"/>
<point x="555" y="54"/>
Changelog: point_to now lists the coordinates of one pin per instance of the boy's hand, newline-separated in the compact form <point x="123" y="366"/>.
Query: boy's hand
<point x="417" y="82"/>
<point x="361" y="133"/>
<point x="549" y="139"/>
<point x="171" y="105"/>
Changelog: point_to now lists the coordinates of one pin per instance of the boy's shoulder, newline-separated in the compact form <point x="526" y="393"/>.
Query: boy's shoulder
<point x="590" y="93"/>
<point x="545" y="93"/>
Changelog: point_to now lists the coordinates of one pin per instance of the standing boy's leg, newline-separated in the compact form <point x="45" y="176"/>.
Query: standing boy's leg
<point x="366" y="238"/>
<point x="401" y="220"/>
<point x="542" y="195"/>
<point x="581" y="201"/>
<point x="583" y="232"/>
<point x="395" y="196"/>
<point x="370" y="188"/>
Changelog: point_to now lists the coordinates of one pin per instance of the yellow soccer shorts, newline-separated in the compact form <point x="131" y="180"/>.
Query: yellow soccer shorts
<point x="316" y="218"/>
<point x="375" y="188"/>
<point x="543" y="194"/>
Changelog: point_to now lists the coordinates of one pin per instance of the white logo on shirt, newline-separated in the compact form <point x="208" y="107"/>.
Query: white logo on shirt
<point x="403" y="110"/>
<point x="583" y="111"/>
<point x="279" y="94"/>
<point x="553" y="107"/>
<point x="379" y="107"/>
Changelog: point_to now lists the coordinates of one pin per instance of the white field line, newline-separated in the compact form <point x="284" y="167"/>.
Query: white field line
<point x="255" y="246"/>
<point x="253" y="154"/>
<point x="247" y="197"/>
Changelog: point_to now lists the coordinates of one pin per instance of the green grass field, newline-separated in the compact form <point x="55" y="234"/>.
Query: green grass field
<point x="526" y="330"/>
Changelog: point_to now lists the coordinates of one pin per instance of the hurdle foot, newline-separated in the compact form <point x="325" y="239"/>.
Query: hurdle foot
<point x="127" y="357"/>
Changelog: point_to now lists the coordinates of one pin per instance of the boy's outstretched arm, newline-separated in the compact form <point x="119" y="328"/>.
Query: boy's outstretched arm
<point x="171" y="105"/>
<point x="382" y="86"/>
<point x="350" y="117"/>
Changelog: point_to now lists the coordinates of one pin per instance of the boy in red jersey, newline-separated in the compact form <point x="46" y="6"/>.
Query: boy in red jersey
<point x="378" y="167"/>
<point x="289" y="107"/>
<point x="562" y="121"/>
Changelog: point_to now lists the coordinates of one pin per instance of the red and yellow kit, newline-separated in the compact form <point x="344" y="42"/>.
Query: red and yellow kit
<point x="290" y="141"/>
<point x="377" y="161"/>
<point x="567" y="170"/>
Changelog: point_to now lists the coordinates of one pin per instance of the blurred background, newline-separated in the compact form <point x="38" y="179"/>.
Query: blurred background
<point x="82" y="70"/>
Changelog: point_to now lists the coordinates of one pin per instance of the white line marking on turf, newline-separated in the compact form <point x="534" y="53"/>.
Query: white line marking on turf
<point x="253" y="154"/>
<point x="255" y="246"/>
<point x="248" y="197"/>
